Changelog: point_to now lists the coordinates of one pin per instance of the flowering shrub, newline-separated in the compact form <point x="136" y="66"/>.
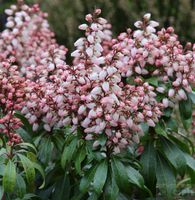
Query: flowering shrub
<point x="109" y="117"/>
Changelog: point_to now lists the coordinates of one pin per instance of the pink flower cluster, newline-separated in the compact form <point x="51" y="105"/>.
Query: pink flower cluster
<point x="107" y="104"/>
<point x="145" y="52"/>
<point x="108" y="89"/>
<point x="29" y="39"/>
<point x="12" y="97"/>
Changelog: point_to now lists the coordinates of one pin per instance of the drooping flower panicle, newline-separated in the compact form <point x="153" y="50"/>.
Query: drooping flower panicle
<point x="107" y="89"/>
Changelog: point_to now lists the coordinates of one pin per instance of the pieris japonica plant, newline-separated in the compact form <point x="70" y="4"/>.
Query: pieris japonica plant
<point x="112" y="124"/>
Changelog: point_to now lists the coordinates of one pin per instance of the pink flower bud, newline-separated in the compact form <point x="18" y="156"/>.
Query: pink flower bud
<point x="147" y="16"/>
<point x="138" y="24"/>
<point x="83" y="26"/>
<point x="8" y="12"/>
<point x="171" y="92"/>
<point x="165" y="102"/>
<point x="89" y="137"/>
<point x="182" y="94"/>
<point x="79" y="42"/>
<point x="10" y="24"/>
<point x="96" y="144"/>
<point x="105" y="86"/>
<point x="81" y="109"/>
<point x="89" y="51"/>
<point x="47" y="127"/>
<point x="151" y="123"/>
<point x="90" y="38"/>
<point x="160" y="89"/>
<point x="35" y="127"/>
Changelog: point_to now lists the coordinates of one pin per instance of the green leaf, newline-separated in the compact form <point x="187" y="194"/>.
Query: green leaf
<point x="31" y="156"/>
<point x="187" y="123"/>
<point x="192" y="96"/>
<point x="2" y="152"/>
<point x="148" y="161"/>
<point x="79" y="159"/>
<point x="30" y="196"/>
<point x="191" y="173"/>
<point x="172" y="124"/>
<point x="45" y="149"/>
<point x="153" y="81"/>
<point x="26" y="123"/>
<point x="135" y="177"/>
<point x="1" y="191"/>
<point x="9" y="178"/>
<point x="190" y="161"/>
<point x="160" y="131"/>
<point x="87" y="179"/>
<point x="58" y="141"/>
<point x="121" y="175"/>
<point x="68" y="152"/>
<point x="2" y="169"/>
<point x="93" y="196"/>
<point x="185" y="108"/>
<point x="111" y="188"/>
<point x="24" y="134"/>
<point x="145" y="127"/>
<point x="165" y="178"/>
<point x="25" y="144"/>
<point x="100" y="176"/>
<point x="189" y="142"/>
<point x="62" y="188"/>
<point x="182" y="145"/>
<point x="173" y="154"/>
<point x="29" y="170"/>
<point x="40" y="169"/>
<point x="187" y="192"/>
<point x="20" y="186"/>
<point x="168" y="111"/>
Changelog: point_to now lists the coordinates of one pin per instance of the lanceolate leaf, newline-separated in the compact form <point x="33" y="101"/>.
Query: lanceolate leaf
<point x="148" y="161"/>
<point x="165" y="178"/>
<point x="87" y="179"/>
<point x="68" y="152"/>
<point x="185" y="108"/>
<point x="1" y="192"/>
<point x="192" y="96"/>
<point x="100" y="176"/>
<point x="121" y="175"/>
<point x="2" y="169"/>
<point x="27" y="125"/>
<point x="153" y="81"/>
<point x="40" y="169"/>
<point x="93" y="196"/>
<point x="58" y="141"/>
<point x="135" y="177"/>
<point x="190" y="161"/>
<point x="173" y="154"/>
<point x="80" y="157"/>
<point x="9" y="178"/>
<point x="29" y="170"/>
<point x="27" y="145"/>
<point x="62" y="188"/>
<point x="160" y="131"/>
<point x="20" y="186"/>
<point x="111" y="188"/>
<point x="45" y="149"/>
<point x="180" y="143"/>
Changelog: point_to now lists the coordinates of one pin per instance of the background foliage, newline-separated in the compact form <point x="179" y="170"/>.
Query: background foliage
<point x="66" y="15"/>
